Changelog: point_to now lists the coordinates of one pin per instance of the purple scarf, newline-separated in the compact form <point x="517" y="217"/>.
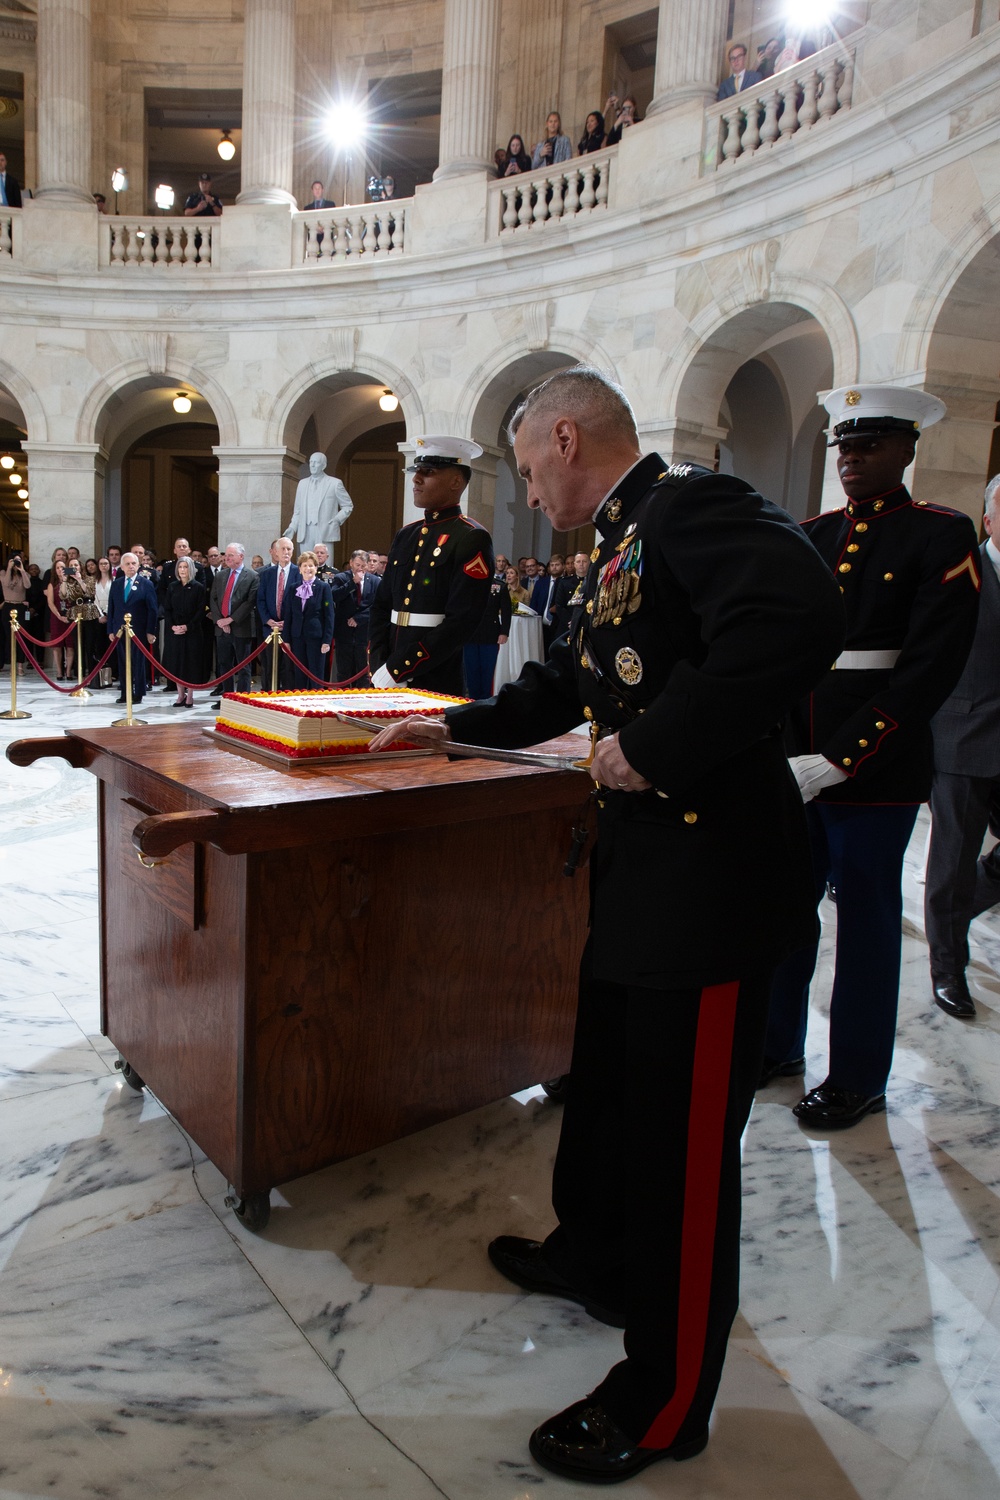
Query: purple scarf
<point x="305" y="590"/>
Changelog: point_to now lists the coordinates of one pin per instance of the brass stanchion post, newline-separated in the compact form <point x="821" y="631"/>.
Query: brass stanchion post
<point x="14" y="712"/>
<point x="80" y="693"/>
<point x="275" y="658"/>
<point x="128" y="720"/>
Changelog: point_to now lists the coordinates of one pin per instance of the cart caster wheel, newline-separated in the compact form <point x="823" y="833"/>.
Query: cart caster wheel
<point x="130" y="1076"/>
<point x="253" y="1211"/>
<point x="555" y="1088"/>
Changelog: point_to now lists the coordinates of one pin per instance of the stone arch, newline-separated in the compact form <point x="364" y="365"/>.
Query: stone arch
<point x="113" y="389"/>
<point x="939" y="285"/>
<point x="24" y="396"/>
<point x="784" y="333"/>
<point x="559" y="348"/>
<point x="295" y="401"/>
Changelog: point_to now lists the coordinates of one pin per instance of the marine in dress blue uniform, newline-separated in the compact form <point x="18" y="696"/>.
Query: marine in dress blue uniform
<point x="860" y="742"/>
<point x="436" y="585"/>
<point x="704" y="614"/>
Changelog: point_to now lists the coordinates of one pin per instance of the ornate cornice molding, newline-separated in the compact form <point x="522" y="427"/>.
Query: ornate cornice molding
<point x="13" y="29"/>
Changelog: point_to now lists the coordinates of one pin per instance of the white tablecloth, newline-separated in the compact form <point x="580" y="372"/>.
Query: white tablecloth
<point x="524" y="644"/>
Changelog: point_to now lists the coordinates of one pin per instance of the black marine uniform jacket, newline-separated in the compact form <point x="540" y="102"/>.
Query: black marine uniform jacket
<point x="909" y="575"/>
<point x="706" y="613"/>
<point x="440" y="565"/>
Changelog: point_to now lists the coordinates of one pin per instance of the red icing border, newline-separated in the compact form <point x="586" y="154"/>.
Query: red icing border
<point x="369" y="713"/>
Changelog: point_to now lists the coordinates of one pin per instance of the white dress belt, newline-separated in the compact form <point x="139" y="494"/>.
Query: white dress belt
<point x="866" y="661"/>
<point x="422" y="622"/>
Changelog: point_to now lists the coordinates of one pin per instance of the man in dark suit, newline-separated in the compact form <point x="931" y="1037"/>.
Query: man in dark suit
<point x="276" y="582"/>
<point x="353" y="595"/>
<point x="740" y="77"/>
<point x="234" y="599"/>
<point x="131" y="594"/>
<point x="965" y="798"/>
<point x="10" y="188"/>
<point x="732" y="616"/>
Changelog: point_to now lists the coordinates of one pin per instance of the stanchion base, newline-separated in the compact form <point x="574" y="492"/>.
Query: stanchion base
<point x="80" y="695"/>
<point x="127" y="723"/>
<point x="15" y="713"/>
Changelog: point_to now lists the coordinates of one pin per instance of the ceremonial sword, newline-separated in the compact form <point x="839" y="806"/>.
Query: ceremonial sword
<point x="489" y="752"/>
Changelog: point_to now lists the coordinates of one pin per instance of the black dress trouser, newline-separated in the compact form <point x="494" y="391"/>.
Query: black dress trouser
<point x="647" y="1185"/>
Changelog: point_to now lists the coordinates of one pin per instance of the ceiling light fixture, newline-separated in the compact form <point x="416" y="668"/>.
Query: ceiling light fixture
<point x="26" y="506"/>
<point x="15" y="478"/>
<point x="6" y="462"/>
<point x="23" y="495"/>
<point x="182" y="402"/>
<point x="388" y="401"/>
<point x="226" y="148"/>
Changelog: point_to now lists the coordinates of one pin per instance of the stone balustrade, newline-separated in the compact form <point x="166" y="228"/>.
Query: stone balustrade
<point x="792" y="101"/>
<point x="337" y="235"/>
<point x="574" y="189"/>
<point x="6" y="246"/>
<point x="157" y="242"/>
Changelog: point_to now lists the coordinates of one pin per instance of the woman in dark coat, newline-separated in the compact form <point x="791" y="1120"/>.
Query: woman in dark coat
<point x="593" y="134"/>
<point x="518" y="159"/>
<point x="308" y="617"/>
<point x="183" y="646"/>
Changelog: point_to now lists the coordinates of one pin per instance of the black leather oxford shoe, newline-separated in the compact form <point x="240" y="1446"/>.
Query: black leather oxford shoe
<point x="828" y="1108"/>
<point x="951" y="994"/>
<point x="771" y="1068"/>
<point x="523" y="1262"/>
<point x="584" y="1442"/>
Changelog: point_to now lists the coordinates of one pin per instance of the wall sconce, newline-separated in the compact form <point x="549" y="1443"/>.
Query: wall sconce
<point x="388" y="401"/>
<point x="182" y="403"/>
<point x="226" y="148"/>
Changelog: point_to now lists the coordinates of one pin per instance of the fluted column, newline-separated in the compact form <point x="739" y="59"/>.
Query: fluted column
<point x="690" y="40"/>
<point x="268" y="102"/>
<point x="469" y="86"/>
<point x="64" y="101"/>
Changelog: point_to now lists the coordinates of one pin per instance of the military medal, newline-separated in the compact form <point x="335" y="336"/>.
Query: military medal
<point x="628" y="665"/>
<point x="618" y="592"/>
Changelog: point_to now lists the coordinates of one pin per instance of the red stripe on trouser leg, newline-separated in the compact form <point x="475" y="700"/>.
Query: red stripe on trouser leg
<point x="706" y="1131"/>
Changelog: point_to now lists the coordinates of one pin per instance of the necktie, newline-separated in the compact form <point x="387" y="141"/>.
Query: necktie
<point x="128" y="588"/>
<point x="227" y="595"/>
<point x="281" y="588"/>
<point x="360" y="588"/>
<point x="3" y="190"/>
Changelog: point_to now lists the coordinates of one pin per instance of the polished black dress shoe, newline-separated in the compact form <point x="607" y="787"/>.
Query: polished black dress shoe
<point x="555" y="1088"/>
<point x="584" y="1442"/>
<point x="119" y="700"/>
<point x="828" y="1108"/>
<point x="951" y="994"/>
<point x="217" y="703"/>
<point x="771" y="1068"/>
<point x="523" y="1262"/>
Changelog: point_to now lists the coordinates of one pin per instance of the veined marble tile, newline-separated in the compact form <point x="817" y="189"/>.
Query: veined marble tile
<point x="42" y="1047"/>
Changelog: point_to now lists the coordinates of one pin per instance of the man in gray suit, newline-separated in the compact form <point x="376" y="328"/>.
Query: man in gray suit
<point x="965" y="800"/>
<point x="232" y="605"/>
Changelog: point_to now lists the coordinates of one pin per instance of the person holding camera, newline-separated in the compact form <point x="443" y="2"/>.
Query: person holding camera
<point x="76" y="594"/>
<point x="16" y="583"/>
<point x="624" y="115"/>
<point x="555" y="147"/>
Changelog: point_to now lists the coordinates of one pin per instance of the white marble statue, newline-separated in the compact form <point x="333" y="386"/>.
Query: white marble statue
<point x="322" y="505"/>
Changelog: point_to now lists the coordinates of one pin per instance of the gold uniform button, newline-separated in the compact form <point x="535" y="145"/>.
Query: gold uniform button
<point x="846" y="760"/>
<point x="423" y="531"/>
<point x="617" y="620"/>
<point x="921" y="502"/>
<point x="861" y="526"/>
<point x="844" y="568"/>
<point x="878" y="505"/>
<point x="690" y="817"/>
<point x="409" y="664"/>
<point x="863" y="744"/>
<point x="879" y="723"/>
<point x="854" y="547"/>
<point x="588" y="713"/>
<point x="887" y="577"/>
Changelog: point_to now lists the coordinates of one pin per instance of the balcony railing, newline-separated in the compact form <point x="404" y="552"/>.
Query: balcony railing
<point x="334" y="236"/>
<point x="570" y="191"/>
<point x="166" y="243"/>
<point x="792" y="101"/>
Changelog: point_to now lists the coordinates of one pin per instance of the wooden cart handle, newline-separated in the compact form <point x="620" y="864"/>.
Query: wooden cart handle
<point x="160" y="835"/>
<point x="26" y="752"/>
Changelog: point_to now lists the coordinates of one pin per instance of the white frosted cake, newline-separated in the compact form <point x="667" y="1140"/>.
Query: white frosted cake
<point x="304" y="724"/>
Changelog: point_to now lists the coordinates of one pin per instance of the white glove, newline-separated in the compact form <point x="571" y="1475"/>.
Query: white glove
<point x="383" y="678"/>
<point x="813" y="773"/>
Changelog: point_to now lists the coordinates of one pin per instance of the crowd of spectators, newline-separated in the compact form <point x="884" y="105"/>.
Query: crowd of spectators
<point x="601" y="128"/>
<point x="191" y="645"/>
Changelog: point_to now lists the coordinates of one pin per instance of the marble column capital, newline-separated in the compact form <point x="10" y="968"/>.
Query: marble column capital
<point x="690" y="42"/>
<point x="469" y="87"/>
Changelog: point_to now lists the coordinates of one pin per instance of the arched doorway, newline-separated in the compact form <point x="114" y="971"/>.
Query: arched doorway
<point x="517" y="531"/>
<point x="14" y="507"/>
<point x="757" y="379"/>
<point x="340" y="417"/>
<point x="162" y="475"/>
<point x="956" y="457"/>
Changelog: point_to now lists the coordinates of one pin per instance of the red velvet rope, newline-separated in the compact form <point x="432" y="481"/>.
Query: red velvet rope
<point x="179" y="681"/>
<point x="57" y="641"/>
<point x="89" y="677"/>
<point x="321" y="682"/>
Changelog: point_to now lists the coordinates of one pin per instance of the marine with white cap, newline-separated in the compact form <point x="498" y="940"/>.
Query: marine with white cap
<point x="436" y="585"/>
<point x="860" y="744"/>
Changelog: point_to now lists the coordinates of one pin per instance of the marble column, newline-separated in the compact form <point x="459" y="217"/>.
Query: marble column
<point x="64" y="102"/>
<point x="268" y="102"/>
<point x="66" y="481"/>
<point x="690" y="43"/>
<point x="256" y="495"/>
<point x="469" y="86"/>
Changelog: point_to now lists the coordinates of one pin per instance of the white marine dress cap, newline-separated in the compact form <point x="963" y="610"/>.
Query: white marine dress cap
<point x="873" y="409"/>
<point x="443" y="452"/>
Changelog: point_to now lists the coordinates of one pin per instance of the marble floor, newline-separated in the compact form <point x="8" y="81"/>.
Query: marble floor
<point x="363" y="1345"/>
